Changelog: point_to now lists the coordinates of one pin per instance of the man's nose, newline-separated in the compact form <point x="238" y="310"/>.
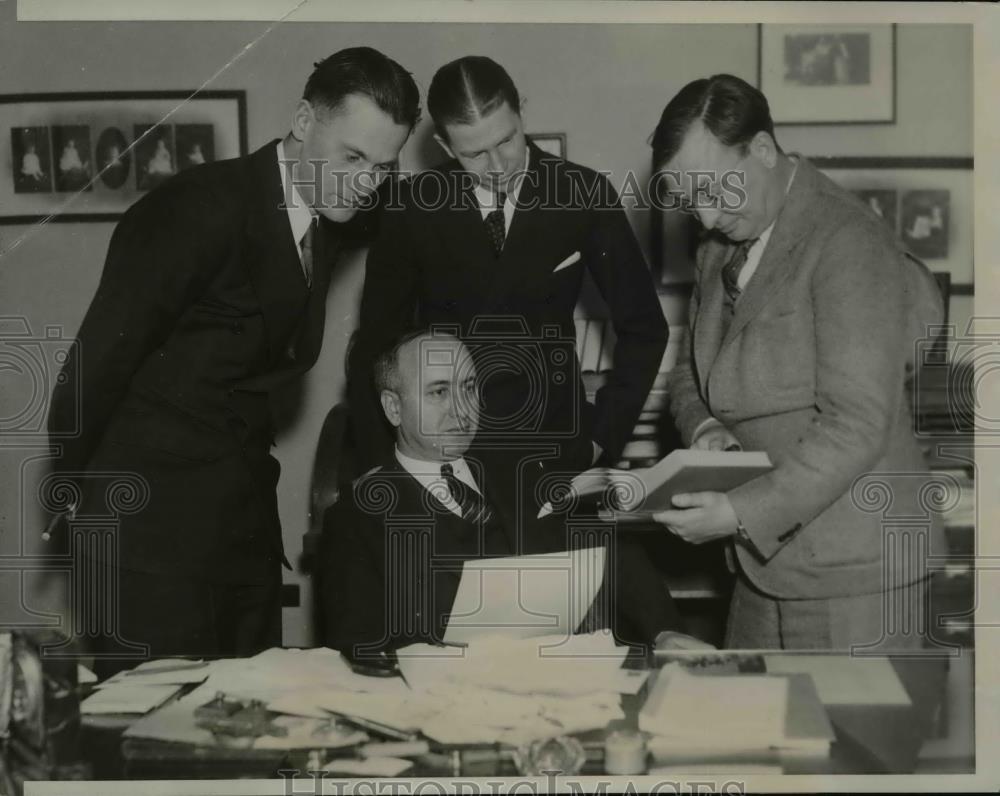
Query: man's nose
<point x="708" y="216"/>
<point x="496" y="161"/>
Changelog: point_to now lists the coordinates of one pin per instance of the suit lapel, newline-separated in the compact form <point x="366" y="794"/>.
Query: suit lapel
<point x="708" y="334"/>
<point x="778" y="260"/>
<point x="272" y="255"/>
<point x="527" y="231"/>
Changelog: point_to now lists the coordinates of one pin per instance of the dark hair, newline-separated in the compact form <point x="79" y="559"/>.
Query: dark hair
<point x="466" y="89"/>
<point x="731" y="109"/>
<point x="365" y="71"/>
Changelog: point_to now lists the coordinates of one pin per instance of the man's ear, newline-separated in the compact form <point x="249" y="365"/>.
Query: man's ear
<point x="391" y="407"/>
<point x="444" y="145"/>
<point x="303" y="117"/>
<point x="764" y="149"/>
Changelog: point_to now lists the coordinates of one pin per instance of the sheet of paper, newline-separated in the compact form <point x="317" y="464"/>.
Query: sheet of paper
<point x="84" y="676"/>
<point x="717" y="709"/>
<point x="562" y="665"/>
<point x="525" y="596"/>
<point x="128" y="698"/>
<point x="276" y="672"/>
<point x="162" y="672"/>
<point x="845" y="680"/>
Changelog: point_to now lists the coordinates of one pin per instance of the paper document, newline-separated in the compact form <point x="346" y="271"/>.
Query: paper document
<point x="845" y="680"/>
<point x="716" y="710"/>
<point x="525" y="596"/>
<point x="162" y="672"/>
<point x="574" y="665"/>
<point x="128" y="698"/>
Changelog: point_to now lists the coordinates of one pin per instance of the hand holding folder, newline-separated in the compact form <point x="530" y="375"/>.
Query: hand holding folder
<point x="642" y="493"/>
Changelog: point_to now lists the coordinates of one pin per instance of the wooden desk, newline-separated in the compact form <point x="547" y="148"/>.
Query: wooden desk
<point x="869" y="739"/>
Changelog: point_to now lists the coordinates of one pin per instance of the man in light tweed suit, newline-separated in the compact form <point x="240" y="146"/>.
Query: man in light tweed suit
<point x="803" y="322"/>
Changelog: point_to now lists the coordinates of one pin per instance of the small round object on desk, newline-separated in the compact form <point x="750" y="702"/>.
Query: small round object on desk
<point x="559" y="754"/>
<point x="625" y="752"/>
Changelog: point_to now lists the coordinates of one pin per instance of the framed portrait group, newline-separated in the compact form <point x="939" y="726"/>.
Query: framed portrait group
<point x="87" y="156"/>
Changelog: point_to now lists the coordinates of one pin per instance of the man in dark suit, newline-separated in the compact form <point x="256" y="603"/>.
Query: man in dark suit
<point x="213" y="295"/>
<point x="494" y="244"/>
<point x="394" y="544"/>
<point x="804" y="319"/>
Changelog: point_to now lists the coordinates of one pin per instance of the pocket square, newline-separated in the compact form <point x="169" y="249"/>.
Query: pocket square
<point x="573" y="258"/>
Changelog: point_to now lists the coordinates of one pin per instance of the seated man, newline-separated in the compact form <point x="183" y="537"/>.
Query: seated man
<point x="394" y="544"/>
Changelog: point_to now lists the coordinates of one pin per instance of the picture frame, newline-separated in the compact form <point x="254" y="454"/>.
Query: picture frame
<point x="926" y="201"/>
<point x="552" y="143"/>
<point x="88" y="156"/>
<point x="828" y="73"/>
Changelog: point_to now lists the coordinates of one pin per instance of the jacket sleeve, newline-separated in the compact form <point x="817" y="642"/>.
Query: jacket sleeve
<point x="162" y="257"/>
<point x="861" y="308"/>
<point x="619" y="269"/>
<point x="352" y="584"/>
<point x="388" y="305"/>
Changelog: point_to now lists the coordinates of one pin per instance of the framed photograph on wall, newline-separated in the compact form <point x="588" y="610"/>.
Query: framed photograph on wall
<point x="87" y="156"/>
<point x="828" y="74"/>
<point x="927" y="202"/>
<point x="553" y="143"/>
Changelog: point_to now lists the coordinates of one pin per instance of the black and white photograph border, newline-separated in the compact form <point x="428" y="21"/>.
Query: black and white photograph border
<point x="34" y="262"/>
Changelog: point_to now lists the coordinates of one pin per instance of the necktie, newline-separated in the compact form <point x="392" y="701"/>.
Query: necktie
<point x="496" y="225"/>
<point x="472" y="505"/>
<point x="307" y="252"/>
<point x="731" y="273"/>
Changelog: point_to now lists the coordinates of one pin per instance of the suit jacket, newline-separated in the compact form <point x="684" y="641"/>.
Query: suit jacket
<point x="812" y="369"/>
<point x="391" y="560"/>
<point x="202" y="310"/>
<point x="432" y="262"/>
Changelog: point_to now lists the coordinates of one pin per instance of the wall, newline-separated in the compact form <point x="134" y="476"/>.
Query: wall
<point x="603" y="85"/>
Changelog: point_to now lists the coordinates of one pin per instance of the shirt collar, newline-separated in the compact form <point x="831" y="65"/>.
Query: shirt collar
<point x="485" y="196"/>
<point x="422" y="467"/>
<point x="300" y="215"/>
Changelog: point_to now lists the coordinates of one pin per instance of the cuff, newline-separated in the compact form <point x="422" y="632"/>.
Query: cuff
<point x="703" y="426"/>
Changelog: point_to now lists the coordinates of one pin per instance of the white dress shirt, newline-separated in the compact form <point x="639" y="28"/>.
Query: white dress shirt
<point x="428" y="474"/>
<point x="300" y="215"/>
<point x="487" y="198"/>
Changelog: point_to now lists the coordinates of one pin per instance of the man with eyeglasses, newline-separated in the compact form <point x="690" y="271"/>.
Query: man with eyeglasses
<point x="803" y="320"/>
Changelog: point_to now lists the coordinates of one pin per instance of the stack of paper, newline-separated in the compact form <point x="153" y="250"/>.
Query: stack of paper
<point x="712" y="718"/>
<point x="719" y="711"/>
<point x="560" y="664"/>
<point x="468" y="714"/>
<point x="495" y="690"/>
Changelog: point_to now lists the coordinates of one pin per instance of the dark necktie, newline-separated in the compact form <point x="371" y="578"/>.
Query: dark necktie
<point x="731" y="273"/>
<point x="307" y="251"/>
<point x="472" y="505"/>
<point x="496" y="225"/>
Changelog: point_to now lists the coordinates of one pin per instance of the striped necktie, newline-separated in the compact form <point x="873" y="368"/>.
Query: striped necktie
<point x="472" y="505"/>
<point x="731" y="273"/>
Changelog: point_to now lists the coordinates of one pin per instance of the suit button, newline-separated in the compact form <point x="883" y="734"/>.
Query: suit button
<point x="237" y="327"/>
<point x="449" y="304"/>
